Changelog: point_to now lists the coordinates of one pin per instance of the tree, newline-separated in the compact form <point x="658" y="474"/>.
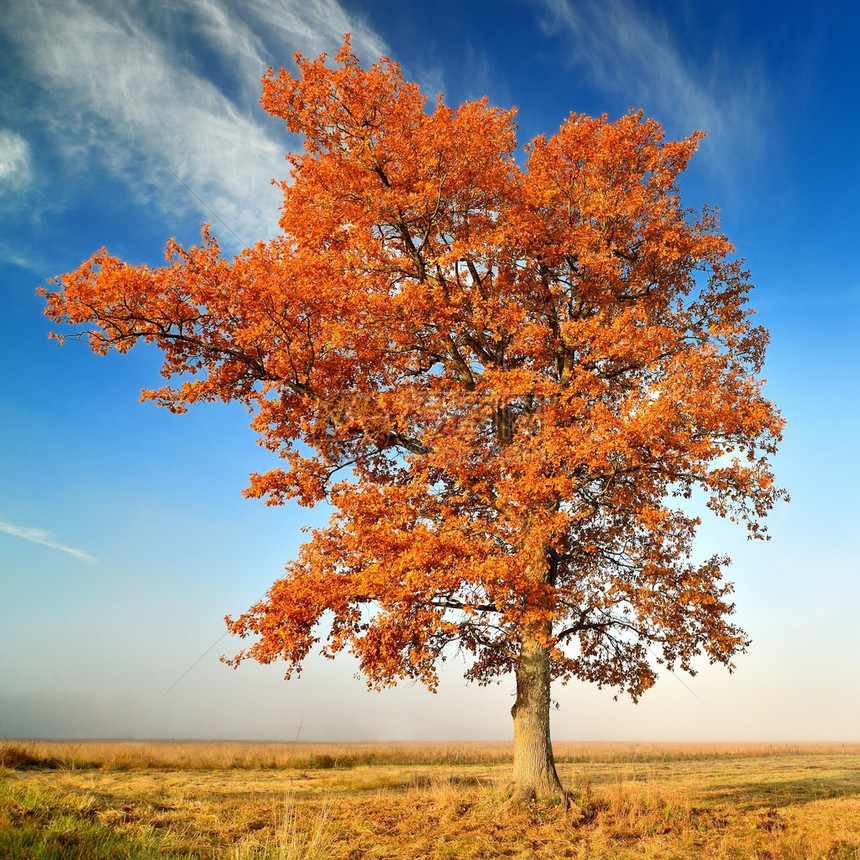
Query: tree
<point x="505" y="379"/>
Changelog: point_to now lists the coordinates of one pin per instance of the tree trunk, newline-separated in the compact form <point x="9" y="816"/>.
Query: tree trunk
<point x="534" y="765"/>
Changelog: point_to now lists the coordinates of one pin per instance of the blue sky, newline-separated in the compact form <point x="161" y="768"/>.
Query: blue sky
<point x="123" y="536"/>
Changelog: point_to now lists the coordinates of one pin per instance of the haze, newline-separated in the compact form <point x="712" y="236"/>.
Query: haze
<point x="124" y="539"/>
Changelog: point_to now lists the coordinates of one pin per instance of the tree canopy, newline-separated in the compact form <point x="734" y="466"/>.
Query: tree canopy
<point x="505" y="374"/>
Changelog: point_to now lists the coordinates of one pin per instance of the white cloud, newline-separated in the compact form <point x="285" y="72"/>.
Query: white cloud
<point x="15" y="172"/>
<point x="629" y="53"/>
<point x="44" y="538"/>
<point x="310" y="26"/>
<point x="126" y="84"/>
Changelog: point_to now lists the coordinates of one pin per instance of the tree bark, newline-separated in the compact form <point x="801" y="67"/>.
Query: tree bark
<point x="534" y="775"/>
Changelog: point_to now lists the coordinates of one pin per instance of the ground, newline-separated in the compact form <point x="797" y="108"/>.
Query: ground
<point x="350" y="801"/>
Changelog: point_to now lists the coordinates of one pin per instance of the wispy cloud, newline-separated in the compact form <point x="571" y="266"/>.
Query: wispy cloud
<point x="44" y="538"/>
<point x="148" y="89"/>
<point x="632" y="54"/>
<point x="15" y="172"/>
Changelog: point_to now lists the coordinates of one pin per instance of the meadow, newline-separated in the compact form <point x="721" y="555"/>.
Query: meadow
<point x="255" y="801"/>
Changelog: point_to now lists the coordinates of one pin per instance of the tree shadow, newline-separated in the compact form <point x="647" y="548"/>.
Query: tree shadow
<point x="778" y="793"/>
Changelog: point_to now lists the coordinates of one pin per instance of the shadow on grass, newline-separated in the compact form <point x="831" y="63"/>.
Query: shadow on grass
<point x="785" y="792"/>
<point x="395" y="783"/>
<point x="39" y="823"/>
<point x="421" y="780"/>
<point x="84" y="842"/>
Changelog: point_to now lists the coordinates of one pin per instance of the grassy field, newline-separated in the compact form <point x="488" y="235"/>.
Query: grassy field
<point x="337" y="801"/>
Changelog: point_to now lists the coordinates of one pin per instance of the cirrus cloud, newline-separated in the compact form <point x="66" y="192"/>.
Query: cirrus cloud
<point x="15" y="160"/>
<point x="148" y="90"/>
<point x="629" y="53"/>
<point x="45" y="538"/>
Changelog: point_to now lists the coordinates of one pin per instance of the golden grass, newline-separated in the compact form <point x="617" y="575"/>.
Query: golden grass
<point x="350" y="801"/>
<point x="245" y="755"/>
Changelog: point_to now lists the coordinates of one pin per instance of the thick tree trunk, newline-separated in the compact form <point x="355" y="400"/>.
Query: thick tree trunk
<point x="534" y="765"/>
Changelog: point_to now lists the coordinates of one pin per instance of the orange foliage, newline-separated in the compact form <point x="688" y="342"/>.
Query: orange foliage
<point x="500" y="376"/>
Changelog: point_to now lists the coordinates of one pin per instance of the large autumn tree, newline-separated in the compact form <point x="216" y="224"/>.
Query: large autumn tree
<point x="505" y="378"/>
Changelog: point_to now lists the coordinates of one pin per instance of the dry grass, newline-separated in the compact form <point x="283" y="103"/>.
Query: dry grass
<point x="244" y="755"/>
<point x="221" y="755"/>
<point x="349" y="801"/>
